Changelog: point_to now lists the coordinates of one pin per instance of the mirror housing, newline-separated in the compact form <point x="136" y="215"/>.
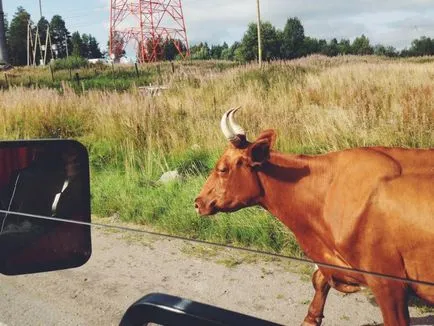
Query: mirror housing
<point x="44" y="196"/>
<point x="168" y="310"/>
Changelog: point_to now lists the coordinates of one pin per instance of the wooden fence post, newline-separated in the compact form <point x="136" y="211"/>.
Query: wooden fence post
<point x="52" y="73"/>
<point x="77" y="78"/>
<point x="137" y="69"/>
<point x="159" y="74"/>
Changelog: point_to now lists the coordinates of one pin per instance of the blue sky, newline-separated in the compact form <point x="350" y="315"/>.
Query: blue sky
<point x="391" y="22"/>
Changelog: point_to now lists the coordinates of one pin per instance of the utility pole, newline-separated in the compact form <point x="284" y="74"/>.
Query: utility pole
<point x="35" y="48"/>
<point x="3" y="51"/>
<point x="28" y="43"/>
<point x="40" y="8"/>
<point x="259" y="34"/>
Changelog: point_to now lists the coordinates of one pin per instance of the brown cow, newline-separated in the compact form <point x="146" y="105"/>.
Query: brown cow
<point x="370" y="209"/>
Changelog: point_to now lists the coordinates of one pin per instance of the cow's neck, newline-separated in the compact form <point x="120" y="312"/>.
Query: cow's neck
<point x="294" y="188"/>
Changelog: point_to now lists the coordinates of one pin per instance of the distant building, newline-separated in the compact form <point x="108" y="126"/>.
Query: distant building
<point x="98" y="60"/>
<point x="126" y="60"/>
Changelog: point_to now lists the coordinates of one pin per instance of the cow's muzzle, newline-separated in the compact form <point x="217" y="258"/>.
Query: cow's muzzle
<point x="204" y="208"/>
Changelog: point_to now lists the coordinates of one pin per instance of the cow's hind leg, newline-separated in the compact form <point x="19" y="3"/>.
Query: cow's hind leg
<point x="316" y="309"/>
<point x="392" y="297"/>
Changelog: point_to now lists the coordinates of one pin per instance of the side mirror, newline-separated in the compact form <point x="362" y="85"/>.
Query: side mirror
<point x="44" y="206"/>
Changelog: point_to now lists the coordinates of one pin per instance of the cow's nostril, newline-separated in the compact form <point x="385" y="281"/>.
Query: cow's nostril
<point x="197" y="203"/>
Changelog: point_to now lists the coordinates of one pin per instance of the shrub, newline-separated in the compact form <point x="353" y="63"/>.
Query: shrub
<point x="72" y="62"/>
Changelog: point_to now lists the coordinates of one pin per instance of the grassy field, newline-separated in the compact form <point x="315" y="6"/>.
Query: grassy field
<point x="316" y="104"/>
<point x="82" y="76"/>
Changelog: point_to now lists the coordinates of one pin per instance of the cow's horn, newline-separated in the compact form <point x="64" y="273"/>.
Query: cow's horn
<point x="227" y="131"/>
<point x="238" y="130"/>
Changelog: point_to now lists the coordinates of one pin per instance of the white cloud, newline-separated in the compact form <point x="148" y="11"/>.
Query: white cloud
<point x="392" y="22"/>
<point x="389" y="22"/>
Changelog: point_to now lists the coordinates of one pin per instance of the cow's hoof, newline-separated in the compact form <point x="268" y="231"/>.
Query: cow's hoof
<point x="312" y="322"/>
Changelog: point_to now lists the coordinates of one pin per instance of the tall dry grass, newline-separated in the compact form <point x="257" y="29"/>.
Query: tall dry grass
<point x="316" y="104"/>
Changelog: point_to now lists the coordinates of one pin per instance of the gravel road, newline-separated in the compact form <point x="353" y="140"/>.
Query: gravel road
<point x="126" y="266"/>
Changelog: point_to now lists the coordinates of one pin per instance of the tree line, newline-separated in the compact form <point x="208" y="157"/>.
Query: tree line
<point x="65" y="44"/>
<point x="291" y="43"/>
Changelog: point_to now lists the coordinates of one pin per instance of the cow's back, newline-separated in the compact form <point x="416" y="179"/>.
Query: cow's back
<point x="417" y="161"/>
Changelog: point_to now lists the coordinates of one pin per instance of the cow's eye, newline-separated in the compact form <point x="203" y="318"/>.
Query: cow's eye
<point x="222" y="169"/>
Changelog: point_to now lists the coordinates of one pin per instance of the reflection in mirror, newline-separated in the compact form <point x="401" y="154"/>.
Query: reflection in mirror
<point x="43" y="179"/>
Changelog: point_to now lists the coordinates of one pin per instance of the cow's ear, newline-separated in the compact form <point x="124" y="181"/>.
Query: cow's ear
<point x="269" y="135"/>
<point x="259" y="151"/>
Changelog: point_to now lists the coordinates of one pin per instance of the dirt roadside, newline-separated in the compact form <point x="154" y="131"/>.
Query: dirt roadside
<point x="126" y="266"/>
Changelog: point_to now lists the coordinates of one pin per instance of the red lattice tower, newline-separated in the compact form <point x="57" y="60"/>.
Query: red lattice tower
<point x="149" y="24"/>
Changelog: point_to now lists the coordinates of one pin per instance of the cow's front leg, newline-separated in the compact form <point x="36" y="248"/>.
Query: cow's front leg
<point x="392" y="297"/>
<point x="316" y="309"/>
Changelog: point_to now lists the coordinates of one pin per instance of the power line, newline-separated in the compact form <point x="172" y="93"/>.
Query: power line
<point x="302" y="260"/>
<point x="80" y="13"/>
<point x="82" y="25"/>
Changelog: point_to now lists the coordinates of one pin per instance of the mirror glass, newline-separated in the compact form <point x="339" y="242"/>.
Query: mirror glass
<point x="44" y="198"/>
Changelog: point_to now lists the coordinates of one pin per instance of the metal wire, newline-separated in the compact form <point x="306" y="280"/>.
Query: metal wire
<point x="10" y="203"/>
<point x="302" y="260"/>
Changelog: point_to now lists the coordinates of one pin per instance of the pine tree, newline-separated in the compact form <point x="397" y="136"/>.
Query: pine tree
<point x="60" y="36"/>
<point x="77" y="45"/>
<point x="94" y="50"/>
<point x="18" y="37"/>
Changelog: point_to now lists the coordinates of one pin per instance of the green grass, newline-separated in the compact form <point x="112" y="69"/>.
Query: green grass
<point x="169" y="208"/>
<point x="81" y="76"/>
<point x="85" y="79"/>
